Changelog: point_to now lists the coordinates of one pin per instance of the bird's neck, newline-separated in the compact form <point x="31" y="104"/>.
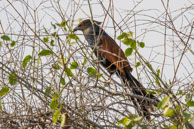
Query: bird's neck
<point x="92" y="35"/>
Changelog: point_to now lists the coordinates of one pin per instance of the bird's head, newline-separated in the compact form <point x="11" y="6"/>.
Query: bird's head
<point x="85" y="24"/>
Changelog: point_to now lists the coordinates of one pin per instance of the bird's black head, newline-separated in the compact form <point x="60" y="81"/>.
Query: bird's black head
<point x="85" y="24"/>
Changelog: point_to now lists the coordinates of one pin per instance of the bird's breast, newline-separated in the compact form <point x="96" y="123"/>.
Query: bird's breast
<point x="90" y="40"/>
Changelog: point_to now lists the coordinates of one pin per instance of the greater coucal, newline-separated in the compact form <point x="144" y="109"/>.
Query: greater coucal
<point x="113" y="59"/>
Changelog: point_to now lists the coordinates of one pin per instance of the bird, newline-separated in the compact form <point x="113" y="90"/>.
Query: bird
<point x="112" y="58"/>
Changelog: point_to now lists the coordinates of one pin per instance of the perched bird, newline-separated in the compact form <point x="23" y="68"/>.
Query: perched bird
<point x="113" y="59"/>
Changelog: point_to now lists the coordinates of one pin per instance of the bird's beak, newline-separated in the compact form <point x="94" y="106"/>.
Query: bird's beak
<point x="76" y="28"/>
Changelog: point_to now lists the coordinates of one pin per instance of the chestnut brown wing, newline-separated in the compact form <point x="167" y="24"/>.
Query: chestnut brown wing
<point x="114" y="54"/>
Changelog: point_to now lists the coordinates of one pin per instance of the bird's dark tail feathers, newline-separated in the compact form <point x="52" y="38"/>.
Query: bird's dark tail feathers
<point x="143" y="106"/>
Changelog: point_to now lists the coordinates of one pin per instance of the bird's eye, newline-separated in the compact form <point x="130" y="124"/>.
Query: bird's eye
<point x="82" y="24"/>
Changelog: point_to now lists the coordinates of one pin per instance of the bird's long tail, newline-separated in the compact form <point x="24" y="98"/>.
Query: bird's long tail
<point x="143" y="106"/>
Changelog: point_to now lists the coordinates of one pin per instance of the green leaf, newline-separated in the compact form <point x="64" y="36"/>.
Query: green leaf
<point x="168" y="112"/>
<point x="72" y="43"/>
<point x="62" y="61"/>
<point x="55" y="66"/>
<point x="45" y="39"/>
<point x="149" y="65"/>
<point x="190" y="103"/>
<point x="62" y="81"/>
<point x="138" y="118"/>
<point x="137" y="64"/>
<point x="58" y="24"/>
<point x="56" y="116"/>
<point x="12" y="79"/>
<point x="124" y="121"/>
<point x="130" y="42"/>
<point x="158" y="71"/>
<point x="45" y="53"/>
<point x="79" y="19"/>
<point x="173" y="127"/>
<point x="84" y="62"/>
<point x="45" y="30"/>
<point x="73" y="36"/>
<point x="164" y="102"/>
<point x="54" y="26"/>
<point x="54" y="105"/>
<point x="142" y="44"/>
<point x="151" y="92"/>
<point x="52" y="42"/>
<point x="48" y="91"/>
<point x="74" y="65"/>
<point x="130" y="121"/>
<point x="13" y="43"/>
<point x="133" y="44"/>
<point x="123" y="35"/>
<point x="128" y="52"/>
<point x="187" y="97"/>
<point x="68" y="72"/>
<point x="157" y="78"/>
<point x="99" y="76"/>
<point x="177" y="107"/>
<point x="130" y="34"/>
<point x="1" y="44"/>
<point x="91" y="71"/>
<point x="54" y="34"/>
<point x="55" y="96"/>
<point x="63" y="23"/>
<point x="63" y="120"/>
<point x="126" y="41"/>
<point x="164" y="126"/>
<point x="186" y="115"/>
<point x="180" y="92"/>
<point x="5" y="37"/>
<point x="4" y="91"/>
<point x="144" y="127"/>
<point x="38" y="61"/>
<point x="26" y="60"/>
<point x="65" y="29"/>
